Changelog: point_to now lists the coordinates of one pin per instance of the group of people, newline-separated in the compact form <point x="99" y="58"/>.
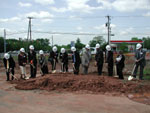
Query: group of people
<point x="84" y="60"/>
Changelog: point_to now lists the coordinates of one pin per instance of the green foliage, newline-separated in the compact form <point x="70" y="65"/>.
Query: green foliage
<point x="146" y="42"/>
<point x="97" y="39"/>
<point x="1" y="44"/>
<point x="135" y="39"/>
<point x="123" y="47"/>
<point x="79" y="45"/>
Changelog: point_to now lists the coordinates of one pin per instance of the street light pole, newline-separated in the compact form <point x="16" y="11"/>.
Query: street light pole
<point x="4" y="41"/>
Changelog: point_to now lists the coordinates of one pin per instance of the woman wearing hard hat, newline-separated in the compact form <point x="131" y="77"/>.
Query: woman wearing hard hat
<point x="120" y="64"/>
<point x="22" y="60"/>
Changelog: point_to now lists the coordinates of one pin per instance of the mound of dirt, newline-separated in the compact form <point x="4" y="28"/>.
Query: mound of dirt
<point x="91" y="83"/>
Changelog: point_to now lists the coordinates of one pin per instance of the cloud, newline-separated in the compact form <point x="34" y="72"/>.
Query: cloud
<point x="40" y="15"/>
<point x="103" y="27"/>
<point x="127" y="31"/>
<point x="125" y="5"/>
<point x="147" y="14"/>
<point x="24" y="4"/>
<point x="45" y="2"/>
<point x="60" y="10"/>
<point x="79" y="28"/>
<point x="13" y="19"/>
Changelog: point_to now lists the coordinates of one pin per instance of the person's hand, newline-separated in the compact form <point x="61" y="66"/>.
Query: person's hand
<point x="136" y="61"/>
<point x="95" y="64"/>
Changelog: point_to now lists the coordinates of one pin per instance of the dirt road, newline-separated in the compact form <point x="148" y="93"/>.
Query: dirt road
<point x="39" y="101"/>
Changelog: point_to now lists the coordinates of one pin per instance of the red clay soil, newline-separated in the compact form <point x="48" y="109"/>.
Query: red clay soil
<point x="135" y="90"/>
<point x="91" y="83"/>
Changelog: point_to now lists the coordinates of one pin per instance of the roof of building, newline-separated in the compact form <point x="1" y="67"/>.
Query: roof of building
<point x="126" y="41"/>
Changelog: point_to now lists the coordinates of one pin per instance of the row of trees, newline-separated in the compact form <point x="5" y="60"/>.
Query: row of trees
<point x="13" y="44"/>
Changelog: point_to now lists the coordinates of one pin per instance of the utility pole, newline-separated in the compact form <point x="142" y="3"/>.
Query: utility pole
<point x="108" y="28"/>
<point x="52" y="40"/>
<point x="4" y="41"/>
<point x="29" y="35"/>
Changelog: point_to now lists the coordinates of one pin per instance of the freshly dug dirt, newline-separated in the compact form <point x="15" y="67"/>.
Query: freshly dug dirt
<point x="90" y="83"/>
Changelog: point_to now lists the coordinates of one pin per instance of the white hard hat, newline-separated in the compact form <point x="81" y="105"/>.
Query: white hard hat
<point x="73" y="49"/>
<point x="41" y="52"/>
<point x="22" y="50"/>
<point x="108" y="47"/>
<point x="138" y="46"/>
<point x="87" y="46"/>
<point x="63" y="50"/>
<point x="130" y="78"/>
<point x="6" y="56"/>
<point x="31" y="47"/>
<point x="54" y="48"/>
<point x="97" y="46"/>
<point x="118" y="59"/>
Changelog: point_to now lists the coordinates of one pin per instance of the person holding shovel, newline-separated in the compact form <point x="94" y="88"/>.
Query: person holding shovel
<point x="22" y="60"/>
<point x="9" y="64"/>
<point x="32" y="61"/>
<point x="43" y="63"/>
<point x="109" y="60"/>
<point x="120" y="64"/>
<point x="53" y="58"/>
<point x="64" y="60"/>
<point x="139" y="61"/>
<point x="99" y="59"/>
<point x="86" y="57"/>
<point x="76" y="60"/>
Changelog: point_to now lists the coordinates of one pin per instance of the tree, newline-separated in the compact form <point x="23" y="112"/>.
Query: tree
<point x="135" y="39"/>
<point x="78" y="44"/>
<point x="97" y="39"/>
<point x="123" y="47"/>
<point x="146" y="42"/>
<point x="1" y="44"/>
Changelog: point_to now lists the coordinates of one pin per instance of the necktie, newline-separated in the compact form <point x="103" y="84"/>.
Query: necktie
<point x="7" y="64"/>
<point x="74" y="59"/>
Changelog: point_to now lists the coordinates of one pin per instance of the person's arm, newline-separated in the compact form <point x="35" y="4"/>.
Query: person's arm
<point x="5" y="63"/>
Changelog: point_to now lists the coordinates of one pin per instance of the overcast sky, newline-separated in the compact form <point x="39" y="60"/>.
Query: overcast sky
<point x="128" y="18"/>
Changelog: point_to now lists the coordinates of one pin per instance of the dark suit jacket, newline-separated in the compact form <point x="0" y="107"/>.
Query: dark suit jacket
<point x="99" y="57"/>
<point x="11" y="62"/>
<point x="32" y="57"/>
<point x="22" y="59"/>
<point x="64" y="57"/>
<point x="77" y="58"/>
<point x="140" y="55"/>
<point x="121" y="62"/>
<point x="109" y="57"/>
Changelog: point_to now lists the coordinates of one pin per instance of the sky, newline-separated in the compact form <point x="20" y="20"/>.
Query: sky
<point x="129" y="18"/>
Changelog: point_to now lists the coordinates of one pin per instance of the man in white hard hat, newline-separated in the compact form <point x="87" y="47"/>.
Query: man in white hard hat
<point x="86" y="59"/>
<point x="33" y="61"/>
<point x="64" y="60"/>
<point x="43" y="63"/>
<point x="9" y="64"/>
<point x="99" y="59"/>
<point x="53" y="58"/>
<point x="76" y="60"/>
<point x="139" y="61"/>
<point x="22" y="60"/>
<point x="109" y="60"/>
